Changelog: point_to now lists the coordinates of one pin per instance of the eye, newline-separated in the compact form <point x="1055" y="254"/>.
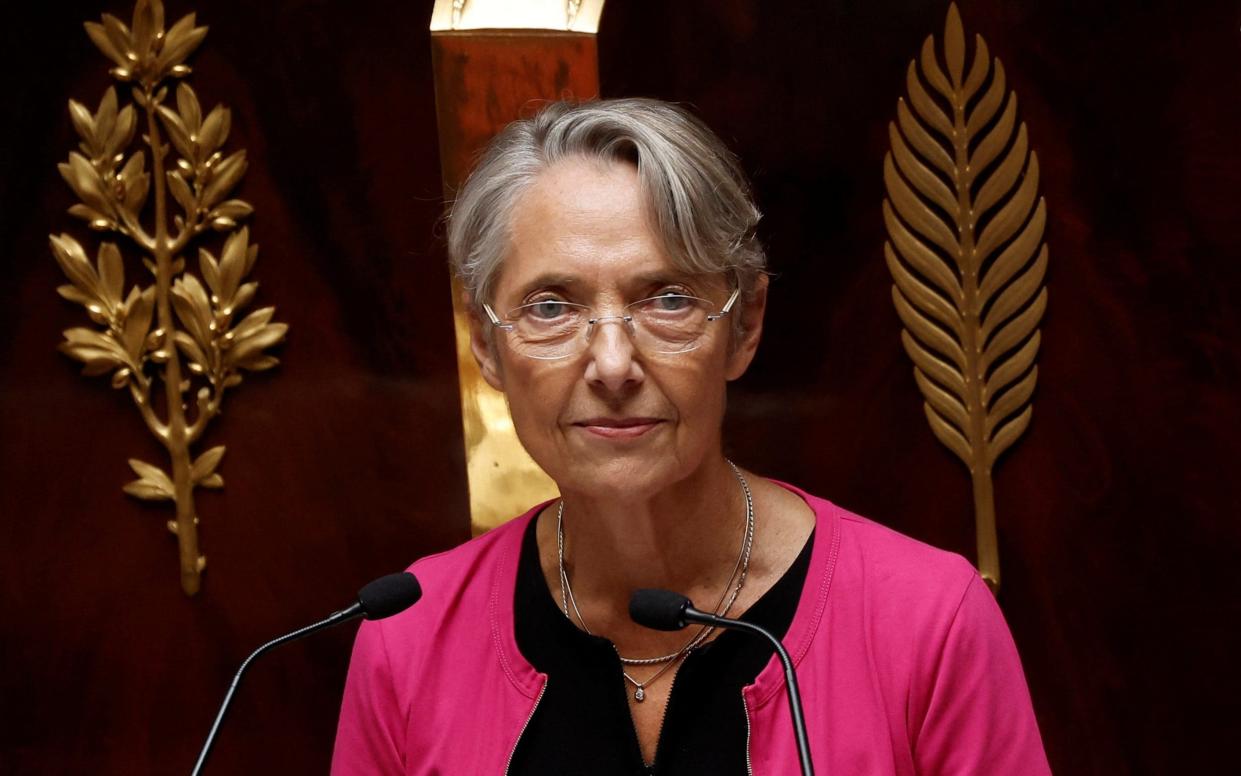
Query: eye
<point x="547" y="309"/>
<point x="671" y="302"/>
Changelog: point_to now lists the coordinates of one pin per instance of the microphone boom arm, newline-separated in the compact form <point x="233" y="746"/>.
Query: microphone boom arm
<point x="336" y="618"/>
<point x="690" y="614"/>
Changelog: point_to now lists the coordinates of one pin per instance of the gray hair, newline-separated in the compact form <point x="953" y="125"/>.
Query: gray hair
<point x="698" y="196"/>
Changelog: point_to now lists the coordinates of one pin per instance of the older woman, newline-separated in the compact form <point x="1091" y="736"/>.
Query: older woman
<point x="609" y="253"/>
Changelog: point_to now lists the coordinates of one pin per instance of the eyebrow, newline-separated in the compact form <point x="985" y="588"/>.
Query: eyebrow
<point x="669" y="276"/>
<point x="570" y="282"/>
<point x="549" y="280"/>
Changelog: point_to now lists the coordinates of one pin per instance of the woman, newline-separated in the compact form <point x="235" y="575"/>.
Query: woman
<point x="609" y="253"/>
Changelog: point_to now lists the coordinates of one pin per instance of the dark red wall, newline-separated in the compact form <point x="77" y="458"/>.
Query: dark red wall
<point x="1118" y="512"/>
<point x="344" y="463"/>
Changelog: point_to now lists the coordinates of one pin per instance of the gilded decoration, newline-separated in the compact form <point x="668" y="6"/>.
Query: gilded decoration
<point x="174" y="339"/>
<point x="965" y="225"/>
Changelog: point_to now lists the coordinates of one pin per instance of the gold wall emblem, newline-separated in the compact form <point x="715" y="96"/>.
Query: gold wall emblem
<point x="179" y="336"/>
<point x="966" y="253"/>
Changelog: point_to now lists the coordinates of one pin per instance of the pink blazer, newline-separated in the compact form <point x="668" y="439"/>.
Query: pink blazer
<point x="904" y="661"/>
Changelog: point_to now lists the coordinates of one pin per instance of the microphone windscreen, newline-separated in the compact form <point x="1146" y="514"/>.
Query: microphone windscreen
<point x="389" y="595"/>
<point x="658" y="609"/>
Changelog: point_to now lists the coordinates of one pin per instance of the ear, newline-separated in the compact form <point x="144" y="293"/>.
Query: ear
<point x="482" y="345"/>
<point x="746" y="343"/>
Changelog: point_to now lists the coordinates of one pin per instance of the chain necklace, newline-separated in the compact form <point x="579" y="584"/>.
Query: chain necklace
<point x="727" y="598"/>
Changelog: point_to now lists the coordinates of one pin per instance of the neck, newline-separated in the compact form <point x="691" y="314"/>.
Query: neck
<point x="686" y="538"/>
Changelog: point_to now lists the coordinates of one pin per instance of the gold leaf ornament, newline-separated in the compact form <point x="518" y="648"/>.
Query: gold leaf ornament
<point x="152" y="483"/>
<point x="174" y="335"/>
<point x="965" y="226"/>
<point x="205" y="465"/>
<point x="143" y="52"/>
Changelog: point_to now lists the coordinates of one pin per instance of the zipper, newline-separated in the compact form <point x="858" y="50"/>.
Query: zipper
<point x="509" y="765"/>
<point x="749" y="765"/>
<point x="659" y="737"/>
<point x="663" y="719"/>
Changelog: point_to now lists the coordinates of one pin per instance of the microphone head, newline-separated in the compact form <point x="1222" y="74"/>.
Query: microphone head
<point x="389" y="595"/>
<point x="658" y="609"/>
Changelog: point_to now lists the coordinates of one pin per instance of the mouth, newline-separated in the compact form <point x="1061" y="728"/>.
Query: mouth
<point x="618" y="428"/>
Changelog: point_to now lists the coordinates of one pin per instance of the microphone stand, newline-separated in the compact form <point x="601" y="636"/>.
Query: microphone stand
<point x="790" y="676"/>
<point x="336" y="618"/>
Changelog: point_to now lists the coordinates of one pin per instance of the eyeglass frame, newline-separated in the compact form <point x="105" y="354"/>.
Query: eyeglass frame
<point x="626" y="319"/>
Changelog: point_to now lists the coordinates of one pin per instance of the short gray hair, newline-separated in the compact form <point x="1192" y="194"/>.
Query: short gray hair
<point x="698" y="196"/>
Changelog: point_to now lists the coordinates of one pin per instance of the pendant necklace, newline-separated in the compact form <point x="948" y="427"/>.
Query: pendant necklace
<point x="727" y="598"/>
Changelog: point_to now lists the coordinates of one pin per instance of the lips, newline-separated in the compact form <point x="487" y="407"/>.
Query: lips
<point x="618" y="428"/>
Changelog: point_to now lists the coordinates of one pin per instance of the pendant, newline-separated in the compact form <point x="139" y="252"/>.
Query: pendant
<point x="639" y="695"/>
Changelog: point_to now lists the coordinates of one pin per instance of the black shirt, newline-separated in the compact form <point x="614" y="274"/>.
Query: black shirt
<point x="582" y="724"/>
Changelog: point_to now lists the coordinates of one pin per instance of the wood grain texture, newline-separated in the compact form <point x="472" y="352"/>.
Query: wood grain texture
<point x="344" y="465"/>
<point x="1120" y="503"/>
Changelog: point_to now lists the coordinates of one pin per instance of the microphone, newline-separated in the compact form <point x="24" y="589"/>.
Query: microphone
<point x="384" y="597"/>
<point x="668" y="611"/>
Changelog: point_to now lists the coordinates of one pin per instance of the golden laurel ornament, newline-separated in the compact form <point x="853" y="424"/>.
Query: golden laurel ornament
<point x="180" y="335"/>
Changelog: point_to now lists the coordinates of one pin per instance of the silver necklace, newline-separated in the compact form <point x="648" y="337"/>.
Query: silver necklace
<point x="740" y="570"/>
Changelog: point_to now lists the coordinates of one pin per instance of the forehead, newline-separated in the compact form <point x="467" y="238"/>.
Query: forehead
<point x="582" y="220"/>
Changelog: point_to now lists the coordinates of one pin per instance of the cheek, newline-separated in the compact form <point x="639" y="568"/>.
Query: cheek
<point x="699" y="397"/>
<point x="536" y="399"/>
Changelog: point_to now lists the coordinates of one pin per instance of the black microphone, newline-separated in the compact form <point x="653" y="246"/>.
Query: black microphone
<point x="381" y="598"/>
<point x="669" y="611"/>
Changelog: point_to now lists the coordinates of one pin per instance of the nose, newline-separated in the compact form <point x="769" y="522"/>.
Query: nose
<point x="613" y="362"/>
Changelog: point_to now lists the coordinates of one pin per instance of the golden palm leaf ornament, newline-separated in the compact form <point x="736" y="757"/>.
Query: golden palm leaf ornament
<point x="965" y="226"/>
<point x="179" y="336"/>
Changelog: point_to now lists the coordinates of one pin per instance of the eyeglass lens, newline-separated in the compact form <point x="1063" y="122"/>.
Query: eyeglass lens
<point x="666" y="324"/>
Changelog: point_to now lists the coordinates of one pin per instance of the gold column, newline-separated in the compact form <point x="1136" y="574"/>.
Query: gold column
<point x="494" y="60"/>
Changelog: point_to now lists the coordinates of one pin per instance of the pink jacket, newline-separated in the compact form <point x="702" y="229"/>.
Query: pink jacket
<point x="904" y="660"/>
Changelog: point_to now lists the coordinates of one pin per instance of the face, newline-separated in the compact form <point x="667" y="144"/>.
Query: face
<point x="610" y="420"/>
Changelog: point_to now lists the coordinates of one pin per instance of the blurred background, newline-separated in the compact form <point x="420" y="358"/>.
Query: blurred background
<point x="1119" y="512"/>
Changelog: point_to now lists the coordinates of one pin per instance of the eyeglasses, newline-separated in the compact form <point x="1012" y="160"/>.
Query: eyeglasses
<point x="552" y="329"/>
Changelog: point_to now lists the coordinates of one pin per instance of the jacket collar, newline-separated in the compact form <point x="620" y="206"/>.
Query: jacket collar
<point x="813" y="601"/>
<point x="524" y="676"/>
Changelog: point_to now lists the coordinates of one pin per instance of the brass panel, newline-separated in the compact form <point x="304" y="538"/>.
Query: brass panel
<point x="146" y="337"/>
<point x="483" y="80"/>
<point x="967" y="256"/>
<point x="504" y="480"/>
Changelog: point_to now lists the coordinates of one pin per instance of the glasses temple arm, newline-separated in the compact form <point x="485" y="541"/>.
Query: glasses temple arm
<point x="728" y="306"/>
<point x="495" y="319"/>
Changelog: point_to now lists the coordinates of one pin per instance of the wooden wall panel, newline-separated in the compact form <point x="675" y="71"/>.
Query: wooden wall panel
<point x="485" y="79"/>
<point x="343" y="464"/>
<point x="1117" y="512"/>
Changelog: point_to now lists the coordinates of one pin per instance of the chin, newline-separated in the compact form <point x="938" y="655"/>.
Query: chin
<point x="620" y="475"/>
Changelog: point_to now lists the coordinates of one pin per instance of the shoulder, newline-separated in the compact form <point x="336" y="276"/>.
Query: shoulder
<point x="884" y="582"/>
<point x="461" y="588"/>
<point x="446" y="646"/>
<point x="462" y="565"/>
<point x="923" y="612"/>
<point x="871" y="554"/>
<point x="901" y="563"/>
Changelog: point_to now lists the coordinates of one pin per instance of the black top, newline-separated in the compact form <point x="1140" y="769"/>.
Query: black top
<point x="582" y="724"/>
